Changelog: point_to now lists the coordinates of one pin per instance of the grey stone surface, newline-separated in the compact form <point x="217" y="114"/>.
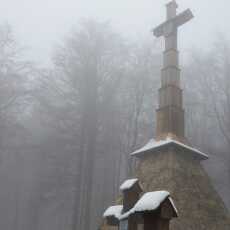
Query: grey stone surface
<point x="170" y="115"/>
<point x="199" y="205"/>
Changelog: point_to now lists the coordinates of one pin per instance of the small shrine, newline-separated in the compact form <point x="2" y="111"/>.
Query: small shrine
<point x="153" y="210"/>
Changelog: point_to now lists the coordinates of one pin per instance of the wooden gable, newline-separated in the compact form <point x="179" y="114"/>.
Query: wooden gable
<point x="131" y="196"/>
<point x="167" y="210"/>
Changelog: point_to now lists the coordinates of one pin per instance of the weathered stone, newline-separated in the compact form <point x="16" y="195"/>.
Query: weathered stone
<point x="199" y="205"/>
<point x="170" y="115"/>
<point x="177" y="170"/>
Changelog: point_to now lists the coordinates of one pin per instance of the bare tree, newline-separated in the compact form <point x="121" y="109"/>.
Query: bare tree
<point x="91" y="62"/>
<point x="208" y="110"/>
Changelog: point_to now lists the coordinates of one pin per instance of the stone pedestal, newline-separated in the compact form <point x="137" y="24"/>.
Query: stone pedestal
<point x="199" y="205"/>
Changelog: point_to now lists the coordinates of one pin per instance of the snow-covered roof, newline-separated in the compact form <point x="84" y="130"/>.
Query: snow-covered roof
<point x="128" y="184"/>
<point x="154" y="145"/>
<point x="113" y="211"/>
<point x="149" y="202"/>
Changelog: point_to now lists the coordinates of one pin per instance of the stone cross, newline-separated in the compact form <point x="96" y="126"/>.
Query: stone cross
<point x="170" y="115"/>
<point x="168" y="29"/>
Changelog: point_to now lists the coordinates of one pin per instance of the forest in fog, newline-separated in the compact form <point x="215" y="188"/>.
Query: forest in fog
<point x="66" y="130"/>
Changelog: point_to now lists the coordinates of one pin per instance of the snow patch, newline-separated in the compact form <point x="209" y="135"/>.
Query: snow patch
<point x="128" y="184"/>
<point x="151" y="201"/>
<point x="153" y="144"/>
<point x="113" y="211"/>
<point x="148" y="202"/>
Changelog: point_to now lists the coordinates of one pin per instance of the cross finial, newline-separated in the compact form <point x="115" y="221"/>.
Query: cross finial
<point x="172" y="3"/>
<point x="171" y="9"/>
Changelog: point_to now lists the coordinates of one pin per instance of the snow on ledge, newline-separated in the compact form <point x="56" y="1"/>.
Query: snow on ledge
<point x="128" y="184"/>
<point x="113" y="211"/>
<point x="153" y="144"/>
<point x="148" y="202"/>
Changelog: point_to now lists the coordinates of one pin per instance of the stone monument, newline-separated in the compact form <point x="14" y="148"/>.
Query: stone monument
<point x="168" y="162"/>
<point x="170" y="115"/>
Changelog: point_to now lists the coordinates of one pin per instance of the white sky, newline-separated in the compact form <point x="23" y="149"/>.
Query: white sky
<point x="41" y="24"/>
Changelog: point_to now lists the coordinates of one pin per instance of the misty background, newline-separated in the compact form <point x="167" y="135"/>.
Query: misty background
<point x="40" y="25"/>
<point x="78" y="86"/>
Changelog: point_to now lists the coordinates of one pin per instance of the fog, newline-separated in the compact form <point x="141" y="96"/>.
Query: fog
<point x="41" y="24"/>
<point x="79" y="87"/>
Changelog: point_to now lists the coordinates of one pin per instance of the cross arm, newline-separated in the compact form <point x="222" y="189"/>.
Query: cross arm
<point x="172" y="24"/>
<point x="159" y="31"/>
<point x="183" y="17"/>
